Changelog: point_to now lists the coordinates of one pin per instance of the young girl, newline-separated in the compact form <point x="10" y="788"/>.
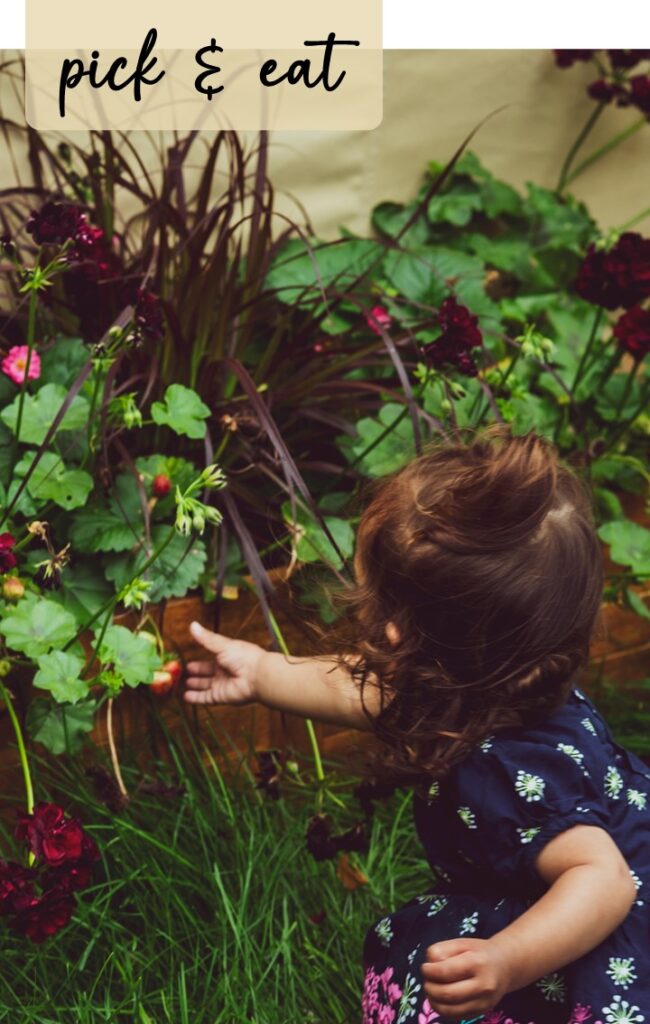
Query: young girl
<point x="479" y="581"/>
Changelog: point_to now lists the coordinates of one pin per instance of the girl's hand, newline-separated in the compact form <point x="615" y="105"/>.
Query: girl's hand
<point x="228" y="678"/>
<point x="464" y="976"/>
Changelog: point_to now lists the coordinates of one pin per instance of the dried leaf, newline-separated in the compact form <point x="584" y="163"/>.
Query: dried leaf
<point x="349" y="874"/>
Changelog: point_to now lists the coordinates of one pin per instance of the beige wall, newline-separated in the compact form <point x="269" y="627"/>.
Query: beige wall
<point x="432" y="100"/>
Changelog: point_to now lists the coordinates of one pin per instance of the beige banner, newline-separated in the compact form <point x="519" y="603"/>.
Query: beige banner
<point x="131" y="65"/>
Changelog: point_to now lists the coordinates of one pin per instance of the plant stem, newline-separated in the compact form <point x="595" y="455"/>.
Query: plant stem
<point x="24" y="763"/>
<point x="634" y="220"/>
<point x="628" y="387"/>
<point x="113" y="749"/>
<point x="564" y="178"/>
<point x="616" y="141"/>
<point x="31" y="331"/>
<point x="588" y="347"/>
<point x="318" y="764"/>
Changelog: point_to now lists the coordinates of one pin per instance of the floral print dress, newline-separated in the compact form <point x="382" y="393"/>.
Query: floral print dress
<point x="482" y="829"/>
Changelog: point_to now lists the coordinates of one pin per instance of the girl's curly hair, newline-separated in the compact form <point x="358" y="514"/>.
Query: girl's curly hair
<point x="484" y="557"/>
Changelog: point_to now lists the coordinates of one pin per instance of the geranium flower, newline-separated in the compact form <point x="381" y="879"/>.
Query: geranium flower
<point x="320" y="842"/>
<point x="14" y="364"/>
<point x="627" y="58"/>
<point x="602" y="90"/>
<point x="7" y="558"/>
<point x="618" y="277"/>
<point x="459" y="333"/>
<point x="45" y="915"/>
<point x="640" y="93"/>
<point x="567" y="58"/>
<point x="149" y="320"/>
<point x="378" y="318"/>
<point x="16" y="887"/>
<point x="268" y="772"/>
<point x="75" y="874"/>
<point x="632" y="332"/>
<point x="53" y="838"/>
<point x="55" y="223"/>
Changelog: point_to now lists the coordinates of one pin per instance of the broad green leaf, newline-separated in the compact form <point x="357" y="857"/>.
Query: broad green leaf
<point x="394" y="449"/>
<point x="625" y="471"/>
<point x="181" y="473"/>
<point x="636" y="603"/>
<point x="608" y="503"/>
<point x="51" y="481"/>
<point x="132" y="657"/>
<point x="173" y="575"/>
<point x="182" y="410"/>
<point x="60" y="673"/>
<point x="61" y="363"/>
<point x="36" y="625"/>
<point x="562" y="222"/>
<point x="39" y="412"/>
<point x="299" y="272"/>
<point x="510" y="254"/>
<point x="6" y="454"/>
<point x="615" y="401"/>
<point x="312" y="543"/>
<point x="629" y="544"/>
<point x="100" y="529"/>
<point x="61" y="728"/>
<point x="83" y="589"/>
<point x="390" y="218"/>
<point x="456" y="206"/>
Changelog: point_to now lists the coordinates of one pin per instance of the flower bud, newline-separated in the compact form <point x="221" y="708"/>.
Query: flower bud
<point x="161" y="485"/>
<point x="13" y="588"/>
<point x="5" y="667"/>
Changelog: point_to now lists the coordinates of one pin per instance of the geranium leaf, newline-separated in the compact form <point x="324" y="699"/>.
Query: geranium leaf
<point x="61" y="727"/>
<point x="132" y="657"/>
<point x="99" y="529"/>
<point x="36" y="625"/>
<point x="59" y="672"/>
<point x="379" y="457"/>
<point x="63" y="362"/>
<point x="172" y="575"/>
<point x="40" y="409"/>
<point x="629" y="543"/>
<point x="83" y="590"/>
<point x="51" y="481"/>
<point x="313" y="544"/>
<point x="183" y="411"/>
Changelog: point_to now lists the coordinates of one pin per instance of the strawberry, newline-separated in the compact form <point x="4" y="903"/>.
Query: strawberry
<point x="161" y="485"/>
<point x="162" y="682"/>
<point x="174" y="668"/>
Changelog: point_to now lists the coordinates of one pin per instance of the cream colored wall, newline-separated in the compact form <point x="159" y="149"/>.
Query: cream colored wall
<point x="432" y="100"/>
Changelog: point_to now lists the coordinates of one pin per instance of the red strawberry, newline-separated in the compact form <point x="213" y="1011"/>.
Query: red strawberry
<point x="162" y="682"/>
<point x="174" y="668"/>
<point x="161" y="485"/>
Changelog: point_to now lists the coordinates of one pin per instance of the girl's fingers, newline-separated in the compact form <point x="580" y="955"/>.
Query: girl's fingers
<point x="200" y="668"/>
<point x="456" y="968"/>
<point x="199" y="696"/>
<point x="214" y="642"/>
<point x="199" y="682"/>
<point x="457" y="994"/>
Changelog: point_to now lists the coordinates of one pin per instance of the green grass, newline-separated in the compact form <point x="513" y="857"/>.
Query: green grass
<point x="199" y="913"/>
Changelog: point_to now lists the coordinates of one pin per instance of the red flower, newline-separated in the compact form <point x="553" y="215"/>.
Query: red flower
<point x="92" y="250"/>
<point x="55" y="223"/>
<point x="640" y="93"/>
<point x="16" y="887"/>
<point x="74" y="874"/>
<point x="566" y="58"/>
<point x="45" y="915"/>
<point x="53" y="838"/>
<point x="627" y="58"/>
<point x="620" y="277"/>
<point x="602" y="90"/>
<point x="378" y="318"/>
<point x="7" y="558"/>
<point x="632" y="332"/>
<point x="459" y="333"/>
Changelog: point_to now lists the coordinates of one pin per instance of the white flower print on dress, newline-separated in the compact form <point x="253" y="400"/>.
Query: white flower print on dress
<point x="409" y="998"/>
<point x="438" y="904"/>
<point x="433" y="791"/>
<point x="486" y="744"/>
<point x="572" y="752"/>
<point x="412" y="955"/>
<point x="589" y="726"/>
<point x="529" y="787"/>
<point x="526" y="835"/>
<point x="579" y="694"/>
<point x="426" y="897"/>
<point x="637" y="881"/>
<point x="619" y="1011"/>
<point x="613" y="782"/>
<point x="467" y="817"/>
<point x="553" y="987"/>
<point x="636" y="798"/>
<point x="384" y="931"/>
<point x="622" y="971"/>
<point x="468" y="924"/>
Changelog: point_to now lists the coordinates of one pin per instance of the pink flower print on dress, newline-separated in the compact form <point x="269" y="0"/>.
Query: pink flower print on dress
<point x="370" y="997"/>
<point x="386" y="1015"/>
<point x="493" y="1017"/>
<point x="580" y="1014"/>
<point x="14" y="364"/>
<point x="427" y="1014"/>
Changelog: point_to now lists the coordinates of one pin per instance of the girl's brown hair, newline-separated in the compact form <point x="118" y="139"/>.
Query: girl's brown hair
<point x="485" y="558"/>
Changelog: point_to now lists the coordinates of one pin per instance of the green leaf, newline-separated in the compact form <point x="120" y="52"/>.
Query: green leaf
<point x="39" y="412"/>
<point x="36" y="625"/>
<point x="62" y="362"/>
<point x="83" y="590"/>
<point x="629" y="544"/>
<point x="636" y="603"/>
<point x="59" y="672"/>
<point x="562" y="223"/>
<point x="180" y="472"/>
<point x="299" y="273"/>
<point x="456" y="206"/>
<point x="99" y="529"/>
<point x="609" y="505"/>
<point x="392" y="452"/>
<point x="625" y="471"/>
<point x="133" y="658"/>
<point x="609" y="398"/>
<point x="182" y="410"/>
<point x="172" y="575"/>
<point x="61" y="728"/>
<point x="509" y="254"/>
<point x="312" y="543"/>
<point x="389" y="219"/>
<point x="51" y="481"/>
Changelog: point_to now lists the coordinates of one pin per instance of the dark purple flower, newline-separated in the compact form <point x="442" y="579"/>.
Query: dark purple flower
<point x="93" y="252"/>
<point x="566" y="58"/>
<point x="45" y="915"/>
<point x="319" y="839"/>
<point x="269" y="771"/>
<point x="618" y="277"/>
<point x="640" y="93"/>
<point x="623" y="59"/>
<point x="76" y="874"/>
<point x="16" y="887"/>
<point x="53" y="838"/>
<point x="460" y="333"/>
<point x="149" y="320"/>
<point x="55" y="223"/>
<point x="7" y="558"/>
<point x="632" y="332"/>
<point x="602" y="90"/>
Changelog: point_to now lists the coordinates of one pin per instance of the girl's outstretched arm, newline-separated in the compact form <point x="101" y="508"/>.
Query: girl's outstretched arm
<point x="591" y="891"/>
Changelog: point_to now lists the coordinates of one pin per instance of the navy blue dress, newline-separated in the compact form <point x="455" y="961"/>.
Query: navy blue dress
<point x="482" y="829"/>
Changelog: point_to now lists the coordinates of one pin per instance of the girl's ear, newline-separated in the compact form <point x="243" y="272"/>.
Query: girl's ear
<point x="392" y="634"/>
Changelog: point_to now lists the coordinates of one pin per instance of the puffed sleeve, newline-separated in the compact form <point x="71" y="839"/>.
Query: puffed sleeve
<point x="513" y="796"/>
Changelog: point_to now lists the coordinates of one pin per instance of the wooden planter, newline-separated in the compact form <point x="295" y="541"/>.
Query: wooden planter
<point x="621" y="653"/>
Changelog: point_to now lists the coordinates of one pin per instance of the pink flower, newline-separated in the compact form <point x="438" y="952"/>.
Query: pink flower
<point x="427" y="1014"/>
<point x="378" y="318"/>
<point x="15" y="363"/>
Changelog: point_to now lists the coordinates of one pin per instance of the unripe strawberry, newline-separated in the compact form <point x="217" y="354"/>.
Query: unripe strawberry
<point x="162" y="682"/>
<point x="161" y="485"/>
<point x="13" y="588"/>
<point x="174" y="668"/>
